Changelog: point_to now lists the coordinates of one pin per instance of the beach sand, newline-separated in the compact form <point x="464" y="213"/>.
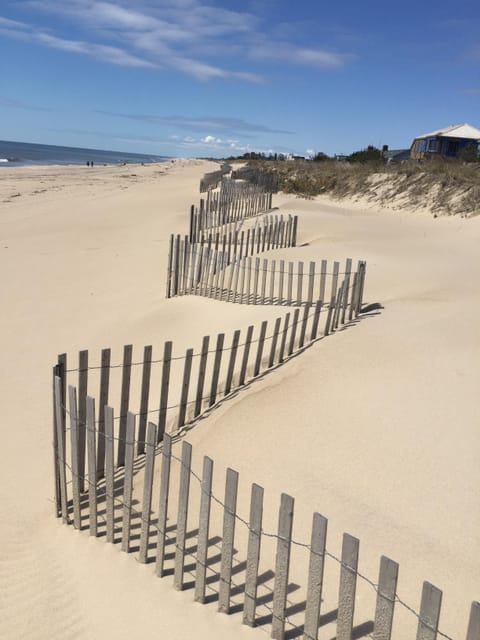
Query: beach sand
<point x="375" y="427"/>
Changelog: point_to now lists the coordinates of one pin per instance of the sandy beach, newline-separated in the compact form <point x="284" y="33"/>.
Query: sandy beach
<point x="375" y="427"/>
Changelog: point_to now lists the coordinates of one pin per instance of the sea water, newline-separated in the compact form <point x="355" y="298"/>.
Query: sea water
<point x="14" y="154"/>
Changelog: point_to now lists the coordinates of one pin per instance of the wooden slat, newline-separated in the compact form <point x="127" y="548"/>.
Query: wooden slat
<point x="144" y="397"/>
<point x="311" y="282"/>
<point x="231" y="362"/>
<point x="216" y="369"/>
<point x="124" y="403"/>
<point x="323" y="279"/>
<point x="253" y="555"/>
<point x="271" y="295"/>
<point x="316" y="320"/>
<point x="386" y="592"/>
<point x="246" y="352"/>
<point x="201" y="375"/>
<point x="282" y="565"/>
<point x="147" y="491"/>
<point x="92" y="467"/>
<point x="60" y="430"/>
<point x="290" y="283"/>
<point x="348" y="585"/>
<point x="163" y="504"/>
<point x="348" y="272"/>
<point x="280" y="283"/>
<point x="182" y="514"/>
<point x="303" y="327"/>
<point x="249" y="281"/>
<point x="295" y="321"/>
<point x="473" y="631"/>
<point x="162" y="412"/>
<point x="109" y="475"/>
<point x="255" y="281"/>
<point x="429" y="612"/>
<point x="169" y="291"/>
<point x="229" y="511"/>
<point x="203" y="530"/>
<point x="315" y="576"/>
<point x="300" y="283"/>
<point x="128" y="482"/>
<point x="77" y="515"/>
<point x="261" y="342"/>
<point x="336" y="269"/>
<point x="273" y="346"/>
<point x="187" y="370"/>
<point x="103" y="401"/>
<point x="82" y="413"/>
<point x="264" y="281"/>
<point x="283" y="342"/>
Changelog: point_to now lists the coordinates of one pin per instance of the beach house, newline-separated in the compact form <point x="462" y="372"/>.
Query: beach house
<point x="444" y="142"/>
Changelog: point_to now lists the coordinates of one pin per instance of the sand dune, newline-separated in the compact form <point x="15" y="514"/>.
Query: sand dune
<point x="376" y="427"/>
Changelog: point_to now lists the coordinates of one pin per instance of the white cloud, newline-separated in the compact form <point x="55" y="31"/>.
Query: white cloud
<point x="190" y="36"/>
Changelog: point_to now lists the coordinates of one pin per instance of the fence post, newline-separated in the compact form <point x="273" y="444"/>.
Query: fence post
<point x="82" y="413"/>
<point x="128" y="482"/>
<point x="203" y="529"/>
<point x="387" y="590"/>
<point x="229" y="514"/>
<point x="429" y="612"/>
<point x="300" y="283"/>
<point x="315" y="576"/>
<point x="231" y="363"/>
<point x="282" y="564"/>
<point x="273" y="348"/>
<point x="291" y="346"/>
<point x="109" y="475"/>
<point x="169" y="267"/>
<point x="60" y="449"/>
<point x="103" y="400"/>
<point x="216" y="369"/>
<point x="473" y="632"/>
<point x="261" y="340"/>
<point x="147" y="491"/>
<point x="316" y="319"/>
<point x="253" y="555"/>
<point x="183" y="494"/>
<point x="77" y="519"/>
<point x="246" y="352"/>
<point x="185" y="388"/>
<point x="162" y="412"/>
<point x="146" y="372"/>
<point x="92" y="467"/>
<point x="303" y="329"/>
<point x="284" y="338"/>
<point x="348" y="585"/>
<point x="163" y="504"/>
<point x="124" y="403"/>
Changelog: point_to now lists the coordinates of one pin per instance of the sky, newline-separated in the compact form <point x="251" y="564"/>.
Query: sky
<point x="217" y="78"/>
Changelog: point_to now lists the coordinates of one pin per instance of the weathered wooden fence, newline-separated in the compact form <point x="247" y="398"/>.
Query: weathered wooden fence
<point x="211" y="180"/>
<point x="233" y="202"/>
<point x="95" y="505"/>
<point x="268" y="180"/>
<point x="231" y="274"/>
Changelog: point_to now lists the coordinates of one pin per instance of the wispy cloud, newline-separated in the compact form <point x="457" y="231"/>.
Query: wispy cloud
<point x="210" y="123"/>
<point x="190" y="36"/>
<point x="6" y="101"/>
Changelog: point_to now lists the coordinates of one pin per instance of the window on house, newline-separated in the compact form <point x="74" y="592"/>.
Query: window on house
<point x="433" y="146"/>
<point x="452" y="146"/>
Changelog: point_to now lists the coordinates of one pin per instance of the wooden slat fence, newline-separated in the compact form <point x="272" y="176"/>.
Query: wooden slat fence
<point x="233" y="202"/>
<point x="232" y="274"/>
<point x="167" y="497"/>
<point x="268" y="180"/>
<point x="211" y="180"/>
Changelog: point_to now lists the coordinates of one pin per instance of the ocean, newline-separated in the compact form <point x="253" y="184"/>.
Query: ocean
<point x="18" y="154"/>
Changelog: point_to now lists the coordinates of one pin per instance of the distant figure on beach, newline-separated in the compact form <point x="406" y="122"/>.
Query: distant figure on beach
<point x="88" y="163"/>
<point x="91" y="163"/>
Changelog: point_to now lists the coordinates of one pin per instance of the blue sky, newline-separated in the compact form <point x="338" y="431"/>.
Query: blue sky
<point x="217" y="78"/>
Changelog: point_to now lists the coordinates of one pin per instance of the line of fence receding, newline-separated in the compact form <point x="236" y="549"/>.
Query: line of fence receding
<point x="234" y="201"/>
<point x="211" y="180"/>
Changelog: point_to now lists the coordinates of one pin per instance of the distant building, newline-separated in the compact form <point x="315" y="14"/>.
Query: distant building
<point x="444" y="142"/>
